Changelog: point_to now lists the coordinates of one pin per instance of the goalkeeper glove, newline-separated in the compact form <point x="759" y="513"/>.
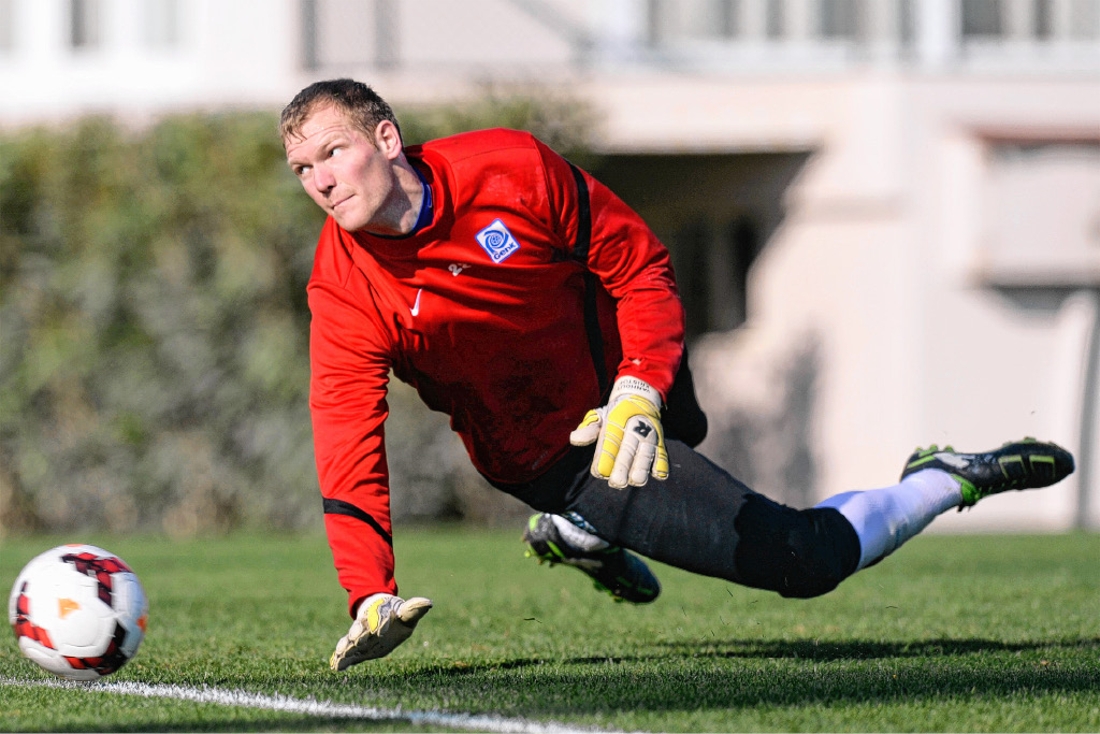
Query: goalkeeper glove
<point x="630" y="443"/>
<point x="382" y="623"/>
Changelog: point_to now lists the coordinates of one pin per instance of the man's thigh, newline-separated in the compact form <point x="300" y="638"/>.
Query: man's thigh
<point x="688" y="520"/>
<point x="703" y="520"/>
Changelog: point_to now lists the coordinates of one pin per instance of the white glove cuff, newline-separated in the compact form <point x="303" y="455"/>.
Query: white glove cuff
<point x="627" y="385"/>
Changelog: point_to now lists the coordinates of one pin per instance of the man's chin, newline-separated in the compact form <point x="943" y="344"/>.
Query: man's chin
<point x="349" y="224"/>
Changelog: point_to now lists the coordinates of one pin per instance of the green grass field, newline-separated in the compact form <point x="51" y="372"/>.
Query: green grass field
<point x="984" y="633"/>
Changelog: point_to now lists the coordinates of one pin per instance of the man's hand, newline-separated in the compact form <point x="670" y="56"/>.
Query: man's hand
<point x="383" y="622"/>
<point x="630" y="443"/>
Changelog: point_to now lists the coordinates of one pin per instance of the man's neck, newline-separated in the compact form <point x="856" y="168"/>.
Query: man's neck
<point x="403" y="208"/>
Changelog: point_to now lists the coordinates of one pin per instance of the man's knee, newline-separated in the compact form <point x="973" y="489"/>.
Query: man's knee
<point x="819" y="557"/>
<point x="797" y="553"/>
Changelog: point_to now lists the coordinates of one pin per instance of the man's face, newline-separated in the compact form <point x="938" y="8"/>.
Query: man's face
<point x="342" y="170"/>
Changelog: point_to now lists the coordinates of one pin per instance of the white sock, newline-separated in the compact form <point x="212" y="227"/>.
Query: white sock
<point x="885" y="518"/>
<point x="578" y="537"/>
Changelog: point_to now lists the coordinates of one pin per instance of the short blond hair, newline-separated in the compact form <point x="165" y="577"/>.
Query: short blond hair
<point x="362" y="105"/>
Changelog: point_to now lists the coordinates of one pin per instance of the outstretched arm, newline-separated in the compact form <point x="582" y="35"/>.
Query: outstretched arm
<point x="349" y="375"/>
<point x="635" y="269"/>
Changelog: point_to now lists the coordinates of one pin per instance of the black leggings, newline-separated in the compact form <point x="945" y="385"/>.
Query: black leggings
<point x="701" y="519"/>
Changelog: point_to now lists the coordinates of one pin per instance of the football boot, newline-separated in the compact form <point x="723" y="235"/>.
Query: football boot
<point x="612" y="569"/>
<point x="1026" y="464"/>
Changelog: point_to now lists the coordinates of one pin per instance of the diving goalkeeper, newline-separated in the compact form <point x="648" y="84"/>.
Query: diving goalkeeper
<point x="521" y="297"/>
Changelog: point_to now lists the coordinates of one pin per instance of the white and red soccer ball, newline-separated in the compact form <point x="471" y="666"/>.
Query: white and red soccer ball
<point x="78" y="611"/>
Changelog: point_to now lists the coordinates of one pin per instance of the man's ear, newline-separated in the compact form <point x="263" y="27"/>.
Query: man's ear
<point x="387" y="139"/>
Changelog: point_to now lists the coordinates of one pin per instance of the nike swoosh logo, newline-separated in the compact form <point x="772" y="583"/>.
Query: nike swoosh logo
<point x="416" y="304"/>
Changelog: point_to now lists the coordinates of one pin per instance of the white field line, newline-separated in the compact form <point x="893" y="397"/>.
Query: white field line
<point x="307" y="706"/>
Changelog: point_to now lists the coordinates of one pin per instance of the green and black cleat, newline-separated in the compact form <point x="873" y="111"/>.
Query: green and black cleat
<point x="612" y="569"/>
<point x="1027" y="464"/>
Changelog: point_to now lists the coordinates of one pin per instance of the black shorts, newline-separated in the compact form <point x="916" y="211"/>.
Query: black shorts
<point x="702" y="519"/>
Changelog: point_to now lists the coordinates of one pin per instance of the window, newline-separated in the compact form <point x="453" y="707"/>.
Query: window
<point x="1028" y="20"/>
<point x="725" y="12"/>
<point x="653" y="22"/>
<point x="712" y="261"/>
<point x="1044" y="19"/>
<point x="1067" y="19"/>
<point x="907" y="30"/>
<point x="775" y="21"/>
<point x="981" y="18"/>
<point x="839" y="19"/>
<point x="84" y="23"/>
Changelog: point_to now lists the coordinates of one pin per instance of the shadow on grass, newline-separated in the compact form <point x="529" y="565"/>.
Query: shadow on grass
<point x="861" y="650"/>
<point x="742" y="674"/>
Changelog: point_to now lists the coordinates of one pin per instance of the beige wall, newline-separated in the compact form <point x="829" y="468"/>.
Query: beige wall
<point x="936" y="271"/>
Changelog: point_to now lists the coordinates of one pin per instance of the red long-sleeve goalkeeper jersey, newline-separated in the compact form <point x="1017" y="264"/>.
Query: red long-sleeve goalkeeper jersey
<point x="482" y="311"/>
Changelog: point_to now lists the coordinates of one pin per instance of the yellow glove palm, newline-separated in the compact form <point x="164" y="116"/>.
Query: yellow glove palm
<point x="630" y="442"/>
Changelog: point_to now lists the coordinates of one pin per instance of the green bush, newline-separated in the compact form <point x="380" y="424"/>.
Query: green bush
<point x="154" y="330"/>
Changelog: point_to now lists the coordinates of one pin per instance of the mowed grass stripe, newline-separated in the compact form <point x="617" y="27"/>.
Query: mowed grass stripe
<point x="953" y="633"/>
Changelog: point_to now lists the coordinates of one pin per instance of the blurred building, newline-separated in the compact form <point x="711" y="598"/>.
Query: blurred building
<point x="885" y="214"/>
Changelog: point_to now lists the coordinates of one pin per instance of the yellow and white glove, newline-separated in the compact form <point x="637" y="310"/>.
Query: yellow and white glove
<point x="630" y="443"/>
<point x="382" y="623"/>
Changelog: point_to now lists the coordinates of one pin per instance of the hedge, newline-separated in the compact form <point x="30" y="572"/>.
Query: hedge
<point x="154" y="367"/>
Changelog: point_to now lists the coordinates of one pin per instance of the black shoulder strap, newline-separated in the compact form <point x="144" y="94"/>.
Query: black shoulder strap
<point x="591" y="282"/>
<point x="584" y="218"/>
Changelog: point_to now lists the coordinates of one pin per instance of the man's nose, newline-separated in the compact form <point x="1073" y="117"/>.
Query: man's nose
<point x="323" y="180"/>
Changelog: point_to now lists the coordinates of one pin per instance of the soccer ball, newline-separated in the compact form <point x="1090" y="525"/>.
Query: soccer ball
<point x="78" y="611"/>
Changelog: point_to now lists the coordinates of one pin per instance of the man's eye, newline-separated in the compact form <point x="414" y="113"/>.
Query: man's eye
<point x="300" y="171"/>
